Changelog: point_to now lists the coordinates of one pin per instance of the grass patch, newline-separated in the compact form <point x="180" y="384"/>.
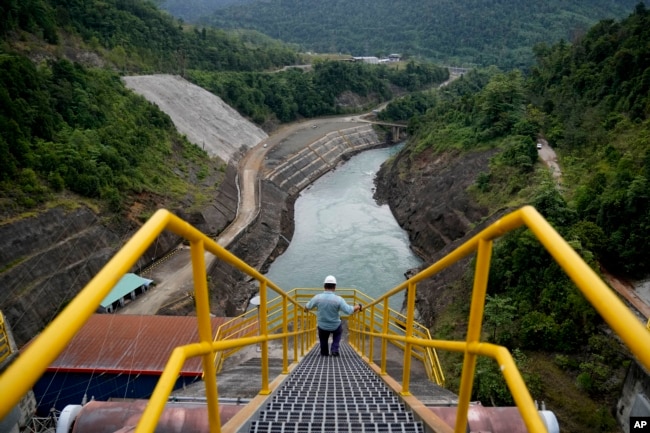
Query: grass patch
<point x="576" y="411"/>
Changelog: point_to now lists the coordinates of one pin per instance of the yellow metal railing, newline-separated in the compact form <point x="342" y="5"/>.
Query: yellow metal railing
<point x="248" y="325"/>
<point x="5" y="345"/>
<point x="23" y="373"/>
<point x="395" y="325"/>
<point x="243" y="326"/>
<point x="284" y="319"/>
<point x="608" y="305"/>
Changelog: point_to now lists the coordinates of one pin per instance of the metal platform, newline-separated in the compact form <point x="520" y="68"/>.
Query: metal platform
<point x="334" y="394"/>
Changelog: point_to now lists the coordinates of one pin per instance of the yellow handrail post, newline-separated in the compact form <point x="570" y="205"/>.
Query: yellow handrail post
<point x="484" y="253"/>
<point x="297" y="336"/>
<point x="304" y="316"/>
<point x="349" y="322"/>
<point x="371" y="348"/>
<point x="285" y="340"/>
<point x="263" y="326"/>
<point x="5" y="346"/>
<point x="308" y="336"/>
<point x="151" y="415"/>
<point x="360" y="327"/>
<point x="304" y="338"/>
<point x="384" y="342"/>
<point x="410" y="312"/>
<point x="516" y="385"/>
<point x="205" y="331"/>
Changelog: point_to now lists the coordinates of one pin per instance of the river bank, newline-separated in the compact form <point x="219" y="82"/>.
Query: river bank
<point x="292" y="163"/>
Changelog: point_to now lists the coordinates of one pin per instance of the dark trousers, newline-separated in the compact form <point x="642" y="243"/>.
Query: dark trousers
<point x="324" y="337"/>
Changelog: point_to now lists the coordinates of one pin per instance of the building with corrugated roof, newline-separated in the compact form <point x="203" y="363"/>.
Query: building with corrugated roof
<point x="118" y="357"/>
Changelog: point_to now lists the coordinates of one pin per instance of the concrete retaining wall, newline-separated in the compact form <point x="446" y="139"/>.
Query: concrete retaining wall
<point x="635" y="396"/>
<point x="319" y="157"/>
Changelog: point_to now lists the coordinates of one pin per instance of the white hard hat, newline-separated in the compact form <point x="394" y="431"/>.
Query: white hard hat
<point x="330" y="279"/>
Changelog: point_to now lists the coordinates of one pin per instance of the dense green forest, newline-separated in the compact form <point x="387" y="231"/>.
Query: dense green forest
<point x="138" y="38"/>
<point x="471" y="32"/>
<point x="70" y="125"/>
<point x="591" y="101"/>
<point x="293" y="94"/>
<point x="68" y="128"/>
<point x="193" y="10"/>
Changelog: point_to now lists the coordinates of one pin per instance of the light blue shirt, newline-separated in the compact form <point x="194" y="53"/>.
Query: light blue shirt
<point x="329" y="305"/>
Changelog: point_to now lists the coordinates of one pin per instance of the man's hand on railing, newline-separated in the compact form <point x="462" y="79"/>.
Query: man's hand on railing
<point x="358" y="307"/>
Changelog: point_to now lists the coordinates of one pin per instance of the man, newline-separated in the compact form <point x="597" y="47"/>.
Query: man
<point x="329" y="306"/>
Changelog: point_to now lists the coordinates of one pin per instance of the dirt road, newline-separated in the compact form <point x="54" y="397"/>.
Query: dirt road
<point x="547" y="154"/>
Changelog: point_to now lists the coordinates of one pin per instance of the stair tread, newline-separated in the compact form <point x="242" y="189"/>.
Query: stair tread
<point x="334" y="394"/>
<point x="308" y="427"/>
<point x="339" y="416"/>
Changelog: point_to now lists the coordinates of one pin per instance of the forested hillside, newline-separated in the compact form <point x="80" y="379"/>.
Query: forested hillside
<point x="471" y="32"/>
<point x="293" y="94"/>
<point x="193" y="10"/>
<point x="135" y="36"/>
<point x="69" y="124"/>
<point x="591" y="101"/>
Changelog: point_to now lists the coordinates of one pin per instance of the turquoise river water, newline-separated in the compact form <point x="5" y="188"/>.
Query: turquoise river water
<point x="340" y="230"/>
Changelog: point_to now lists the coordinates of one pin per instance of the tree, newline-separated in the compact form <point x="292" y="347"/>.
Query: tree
<point x="501" y="103"/>
<point x="500" y="311"/>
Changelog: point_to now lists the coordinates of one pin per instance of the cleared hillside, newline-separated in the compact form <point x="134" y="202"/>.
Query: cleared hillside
<point x="198" y="114"/>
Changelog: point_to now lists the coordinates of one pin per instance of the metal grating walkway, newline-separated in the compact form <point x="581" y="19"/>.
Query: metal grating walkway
<point x="334" y="394"/>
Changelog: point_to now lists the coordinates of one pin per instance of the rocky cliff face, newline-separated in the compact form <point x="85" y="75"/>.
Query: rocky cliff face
<point x="231" y="289"/>
<point x="46" y="259"/>
<point x="427" y="194"/>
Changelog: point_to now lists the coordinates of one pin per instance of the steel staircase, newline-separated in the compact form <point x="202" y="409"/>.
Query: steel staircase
<point x="321" y="394"/>
<point x="334" y="394"/>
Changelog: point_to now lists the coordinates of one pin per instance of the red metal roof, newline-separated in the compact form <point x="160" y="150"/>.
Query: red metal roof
<point x="131" y="344"/>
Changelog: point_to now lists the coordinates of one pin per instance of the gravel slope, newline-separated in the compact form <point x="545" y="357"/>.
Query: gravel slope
<point x="198" y="114"/>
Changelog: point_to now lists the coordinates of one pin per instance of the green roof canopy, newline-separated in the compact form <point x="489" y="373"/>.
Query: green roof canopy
<point x="127" y="284"/>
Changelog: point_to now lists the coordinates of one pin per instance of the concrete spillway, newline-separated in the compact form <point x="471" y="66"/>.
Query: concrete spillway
<point x="317" y="158"/>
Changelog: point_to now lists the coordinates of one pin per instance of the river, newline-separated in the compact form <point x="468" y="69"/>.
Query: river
<point x="340" y="230"/>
